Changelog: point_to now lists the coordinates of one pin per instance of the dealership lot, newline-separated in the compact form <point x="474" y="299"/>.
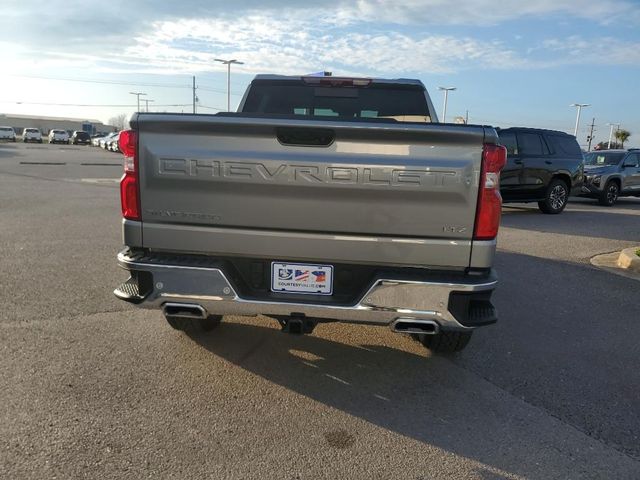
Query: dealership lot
<point x="92" y="387"/>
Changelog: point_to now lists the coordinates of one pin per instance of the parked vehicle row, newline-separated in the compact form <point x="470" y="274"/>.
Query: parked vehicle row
<point x="108" y="142"/>
<point x="34" y="135"/>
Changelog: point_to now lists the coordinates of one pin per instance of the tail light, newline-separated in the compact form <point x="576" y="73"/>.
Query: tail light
<point x="489" y="207"/>
<point x="129" y="184"/>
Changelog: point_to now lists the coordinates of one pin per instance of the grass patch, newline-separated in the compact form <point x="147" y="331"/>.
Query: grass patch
<point x="638" y="252"/>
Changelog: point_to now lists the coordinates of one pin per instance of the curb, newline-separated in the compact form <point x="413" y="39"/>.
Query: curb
<point x="629" y="260"/>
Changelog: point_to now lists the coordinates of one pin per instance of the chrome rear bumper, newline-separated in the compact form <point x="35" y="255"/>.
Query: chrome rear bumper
<point x="386" y="301"/>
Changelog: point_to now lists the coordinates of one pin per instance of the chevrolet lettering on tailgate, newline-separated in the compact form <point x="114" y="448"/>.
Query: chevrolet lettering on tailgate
<point x="259" y="172"/>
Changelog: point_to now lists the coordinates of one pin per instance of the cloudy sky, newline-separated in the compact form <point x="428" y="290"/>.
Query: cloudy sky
<point x="514" y="62"/>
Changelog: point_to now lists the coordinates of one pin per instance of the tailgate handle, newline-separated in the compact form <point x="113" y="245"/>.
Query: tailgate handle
<point x="306" y="137"/>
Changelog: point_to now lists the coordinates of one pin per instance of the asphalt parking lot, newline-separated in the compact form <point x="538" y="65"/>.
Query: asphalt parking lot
<point x="94" y="388"/>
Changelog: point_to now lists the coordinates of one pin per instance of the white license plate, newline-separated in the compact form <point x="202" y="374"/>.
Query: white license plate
<point x="302" y="278"/>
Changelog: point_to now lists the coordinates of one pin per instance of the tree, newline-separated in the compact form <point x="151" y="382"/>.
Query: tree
<point x="622" y="136"/>
<point x="119" y="121"/>
<point x="605" y="145"/>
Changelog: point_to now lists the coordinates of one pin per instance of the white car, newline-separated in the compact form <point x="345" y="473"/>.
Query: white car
<point x="58" y="136"/>
<point x="95" y="141"/>
<point x="7" y="133"/>
<point x="104" y="142"/>
<point x="31" y="135"/>
<point x="113" y="143"/>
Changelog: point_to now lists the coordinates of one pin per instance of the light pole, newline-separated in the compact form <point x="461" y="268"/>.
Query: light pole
<point x="446" y="91"/>
<point x="579" y="105"/>
<point x="137" y="94"/>
<point x="617" y="125"/>
<point x="228" y="64"/>
<point x="146" y="100"/>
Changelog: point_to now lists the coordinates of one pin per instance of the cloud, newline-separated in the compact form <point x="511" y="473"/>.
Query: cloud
<point x="485" y="12"/>
<point x="108" y="26"/>
<point x="290" y="44"/>
<point x="371" y="37"/>
<point x="601" y="51"/>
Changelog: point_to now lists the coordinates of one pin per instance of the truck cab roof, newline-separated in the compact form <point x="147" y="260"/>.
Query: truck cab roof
<point x="298" y="78"/>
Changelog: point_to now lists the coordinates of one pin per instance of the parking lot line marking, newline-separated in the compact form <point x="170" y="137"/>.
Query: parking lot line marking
<point x="381" y="397"/>
<point x="337" y="379"/>
<point x="43" y="163"/>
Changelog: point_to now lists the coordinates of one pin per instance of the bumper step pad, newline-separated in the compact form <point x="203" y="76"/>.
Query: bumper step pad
<point x="129" y="291"/>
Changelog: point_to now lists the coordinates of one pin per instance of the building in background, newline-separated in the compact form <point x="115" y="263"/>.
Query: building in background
<point x="45" y="124"/>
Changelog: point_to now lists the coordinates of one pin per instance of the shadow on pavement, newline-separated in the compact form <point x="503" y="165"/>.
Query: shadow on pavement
<point x="566" y="341"/>
<point x="427" y="399"/>
<point x="8" y="150"/>
<point x="556" y="349"/>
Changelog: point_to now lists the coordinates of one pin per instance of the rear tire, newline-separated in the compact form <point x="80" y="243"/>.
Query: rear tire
<point x="194" y="326"/>
<point x="609" y="195"/>
<point x="444" y="342"/>
<point x="556" y="197"/>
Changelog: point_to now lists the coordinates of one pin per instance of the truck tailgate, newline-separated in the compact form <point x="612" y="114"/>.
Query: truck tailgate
<point x="214" y="184"/>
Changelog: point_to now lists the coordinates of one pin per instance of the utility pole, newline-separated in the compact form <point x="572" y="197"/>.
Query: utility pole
<point x="194" y="94"/>
<point x="228" y="64"/>
<point x="590" y="137"/>
<point x="617" y="125"/>
<point x="579" y="105"/>
<point x="446" y="91"/>
<point x="137" y="94"/>
<point x="466" y="117"/>
<point x="147" y="103"/>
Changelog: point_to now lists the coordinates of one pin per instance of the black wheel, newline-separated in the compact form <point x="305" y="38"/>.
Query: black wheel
<point x="609" y="195"/>
<point x="556" y="197"/>
<point x="194" y="326"/>
<point x="445" y="341"/>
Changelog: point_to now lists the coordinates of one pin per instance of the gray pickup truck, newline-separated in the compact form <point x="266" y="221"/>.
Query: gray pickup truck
<point x="322" y="199"/>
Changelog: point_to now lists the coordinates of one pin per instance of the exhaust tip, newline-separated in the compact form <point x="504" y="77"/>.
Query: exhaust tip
<point x="412" y="325"/>
<point x="184" y="310"/>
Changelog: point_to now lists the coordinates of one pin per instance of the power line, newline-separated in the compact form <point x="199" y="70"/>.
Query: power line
<point x="217" y="90"/>
<point x="122" y="82"/>
<point x="125" y="83"/>
<point x="96" y="105"/>
<point x="211" y="108"/>
<point x="107" y="82"/>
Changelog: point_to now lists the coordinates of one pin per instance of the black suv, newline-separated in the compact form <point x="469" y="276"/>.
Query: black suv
<point x="80" y="138"/>
<point x="544" y="166"/>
